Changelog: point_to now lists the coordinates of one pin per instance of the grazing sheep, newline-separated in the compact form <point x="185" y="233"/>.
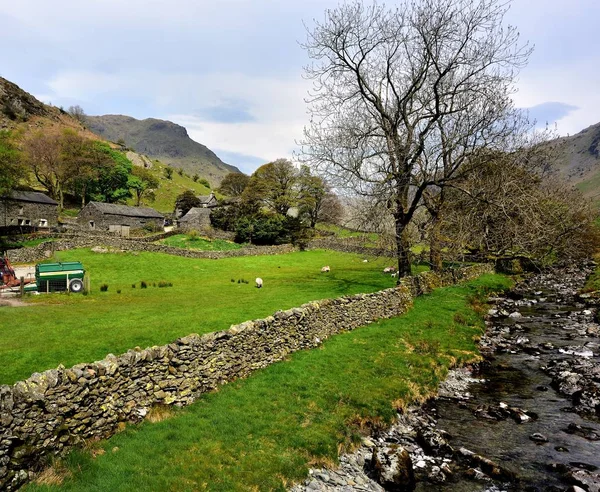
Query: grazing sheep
<point x="389" y="269"/>
<point x="325" y="269"/>
<point x="365" y="261"/>
<point x="259" y="282"/>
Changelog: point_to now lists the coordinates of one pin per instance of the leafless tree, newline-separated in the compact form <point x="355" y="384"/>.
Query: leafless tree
<point x="391" y="86"/>
<point x="77" y="112"/>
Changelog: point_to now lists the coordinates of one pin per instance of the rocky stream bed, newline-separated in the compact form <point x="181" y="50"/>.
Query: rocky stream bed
<point x="526" y="419"/>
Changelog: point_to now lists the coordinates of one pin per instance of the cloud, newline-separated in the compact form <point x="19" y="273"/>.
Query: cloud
<point x="549" y="113"/>
<point x="246" y="163"/>
<point x="237" y="113"/>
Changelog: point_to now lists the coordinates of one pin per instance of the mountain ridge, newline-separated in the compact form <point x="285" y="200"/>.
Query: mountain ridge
<point x="163" y="140"/>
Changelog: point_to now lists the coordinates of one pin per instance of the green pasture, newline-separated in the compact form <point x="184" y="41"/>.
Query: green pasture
<point x="263" y="433"/>
<point x="205" y="296"/>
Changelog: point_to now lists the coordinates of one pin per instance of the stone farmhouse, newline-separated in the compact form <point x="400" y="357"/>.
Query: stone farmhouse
<point x="97" y="216"/>
<point x="196" y="218"/>
<point x="208" y="201"/>
<point x="29" y="209"/>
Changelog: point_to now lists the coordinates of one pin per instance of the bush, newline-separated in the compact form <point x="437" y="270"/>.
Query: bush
<point x="143" y="285"/>
<point x="162" y="284"/>
<point x="118" y="291"/>
<point x="103" y="287"/>
<point x="133" y="286"/>
<point x="169" y="172"/>
<point x="204" y="182"/>
<point x="192" y="235"/>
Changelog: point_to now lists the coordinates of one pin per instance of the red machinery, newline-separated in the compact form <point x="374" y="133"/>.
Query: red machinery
<point x="7" y="274"/>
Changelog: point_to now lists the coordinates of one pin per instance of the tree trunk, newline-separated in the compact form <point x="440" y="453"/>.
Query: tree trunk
<point x="403" y="249"/>
<point x="435" y="246"/>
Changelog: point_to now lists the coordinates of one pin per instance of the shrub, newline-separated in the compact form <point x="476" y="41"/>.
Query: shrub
<point x="169" y="172"/>
<point x="204" y="182"/>
<point x="162" y="284"/>
<point x="143" y="285"/>
<point x="133" y="286"/>
<point x="192" y="235"/>
<point x="118" y="291"/>
<point x="233" y="280"/>
<point x="103" y="287"/>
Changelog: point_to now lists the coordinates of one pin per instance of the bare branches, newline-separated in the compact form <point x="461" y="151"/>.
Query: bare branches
<point x="402" y="98"/>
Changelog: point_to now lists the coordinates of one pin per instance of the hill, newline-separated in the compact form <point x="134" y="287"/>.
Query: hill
<point x="578" y="160"/>
<point x="163" y="140"/>
<point x="21" y="111"/>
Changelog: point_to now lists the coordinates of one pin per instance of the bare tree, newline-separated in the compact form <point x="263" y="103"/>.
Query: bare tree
<point x="77" y="112"/>
<point x="388" y="81"/>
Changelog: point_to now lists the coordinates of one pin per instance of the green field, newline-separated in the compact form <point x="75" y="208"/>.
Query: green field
<point x="263" y="433"/>
<point x="186" y="241"/>
<point x="205" y="296"/>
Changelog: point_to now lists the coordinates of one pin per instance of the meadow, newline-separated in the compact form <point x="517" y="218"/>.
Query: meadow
<point x="205" y="296"/>
<point x="264" y="432"/>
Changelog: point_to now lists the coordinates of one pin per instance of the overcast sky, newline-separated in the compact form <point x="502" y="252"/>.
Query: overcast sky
<point x="230" y="71"/>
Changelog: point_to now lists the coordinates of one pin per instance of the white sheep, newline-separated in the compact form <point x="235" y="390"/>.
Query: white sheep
<point x="259" y="282"/>
<point x="389" y="269"/>
<point x="325" y="269"/>
<point x="365" y="261"/>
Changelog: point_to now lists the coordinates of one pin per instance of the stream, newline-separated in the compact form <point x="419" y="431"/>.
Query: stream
<point x="525" y="419"/>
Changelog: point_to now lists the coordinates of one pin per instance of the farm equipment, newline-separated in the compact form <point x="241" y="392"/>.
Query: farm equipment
<point x="8" y="278"/>
<point x="56" y="277"/>
<point x="49" y="277"/>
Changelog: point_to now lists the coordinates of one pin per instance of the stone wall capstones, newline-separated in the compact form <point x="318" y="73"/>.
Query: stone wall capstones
<point x="52" y="411"/>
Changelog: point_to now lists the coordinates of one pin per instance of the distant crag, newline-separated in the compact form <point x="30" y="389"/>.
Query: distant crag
<point x="163" y="140"/>
<point x="578" y="159"/>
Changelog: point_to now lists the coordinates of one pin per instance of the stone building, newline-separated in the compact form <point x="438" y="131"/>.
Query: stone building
<point x="208" y="201"/>
<point x="28" y="209"/>
<point x="119" y="218"/>
<point x="197" y="218"/>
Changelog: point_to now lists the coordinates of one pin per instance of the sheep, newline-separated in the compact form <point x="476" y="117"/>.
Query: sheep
<point x="394" y="275"/>
<point x="365" y="261"/>
<point x="325" y="269"/>
<point x="259" y="282"/>
<point x="389" y="269"/>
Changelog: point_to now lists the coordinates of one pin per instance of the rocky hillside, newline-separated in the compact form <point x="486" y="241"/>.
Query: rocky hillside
<point x="578" y="159"/>
<point x="163" y="140"/>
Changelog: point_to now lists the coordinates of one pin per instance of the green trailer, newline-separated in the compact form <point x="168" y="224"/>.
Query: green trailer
<point x="58" y="277"/>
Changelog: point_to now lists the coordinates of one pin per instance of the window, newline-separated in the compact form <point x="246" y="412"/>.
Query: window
<point x="43" y="223"/>
<point x="21" y="211"/>
<point x="92" y="224"/>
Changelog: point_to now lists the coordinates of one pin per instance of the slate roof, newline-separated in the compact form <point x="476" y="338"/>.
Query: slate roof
<point x="126" y="211"/>
<point x="194" y="213"/>
<point x="205" y="199"/>
<point x="31" y="196"/>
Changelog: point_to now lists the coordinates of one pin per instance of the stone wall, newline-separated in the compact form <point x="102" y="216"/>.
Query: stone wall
<point x="52" y="411"/>
<point x="46" y="250"/>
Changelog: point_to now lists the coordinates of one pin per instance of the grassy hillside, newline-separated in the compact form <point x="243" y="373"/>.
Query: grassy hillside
<point x="68" y="329"/>
<point x="263" y="433"/>
<point x="170" y="188"/>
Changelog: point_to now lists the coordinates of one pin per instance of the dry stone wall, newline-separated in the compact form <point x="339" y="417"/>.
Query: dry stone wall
<point x="54" y="410"/>
<point x="46" y="250"/>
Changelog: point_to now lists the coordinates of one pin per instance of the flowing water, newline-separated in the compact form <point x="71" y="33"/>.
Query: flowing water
<point x="550" y="326"/>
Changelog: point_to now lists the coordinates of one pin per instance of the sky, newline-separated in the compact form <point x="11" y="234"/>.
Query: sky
<point x="230" y="71"/>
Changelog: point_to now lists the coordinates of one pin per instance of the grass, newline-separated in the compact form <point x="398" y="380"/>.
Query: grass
<point x="263" y="433"/>
<point x="25" y="243"/>
<point x="168" y="189"/>
<point x="69" y="329"/>
<point x="185" y="241"/>
<point x="344" y="232"/>
<point x="593" y="282"/>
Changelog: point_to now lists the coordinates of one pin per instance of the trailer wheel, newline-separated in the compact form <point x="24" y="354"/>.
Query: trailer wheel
<point x="76" y="285"/>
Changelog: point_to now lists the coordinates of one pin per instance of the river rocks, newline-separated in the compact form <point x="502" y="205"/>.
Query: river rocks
<point x="393" y="469"/>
